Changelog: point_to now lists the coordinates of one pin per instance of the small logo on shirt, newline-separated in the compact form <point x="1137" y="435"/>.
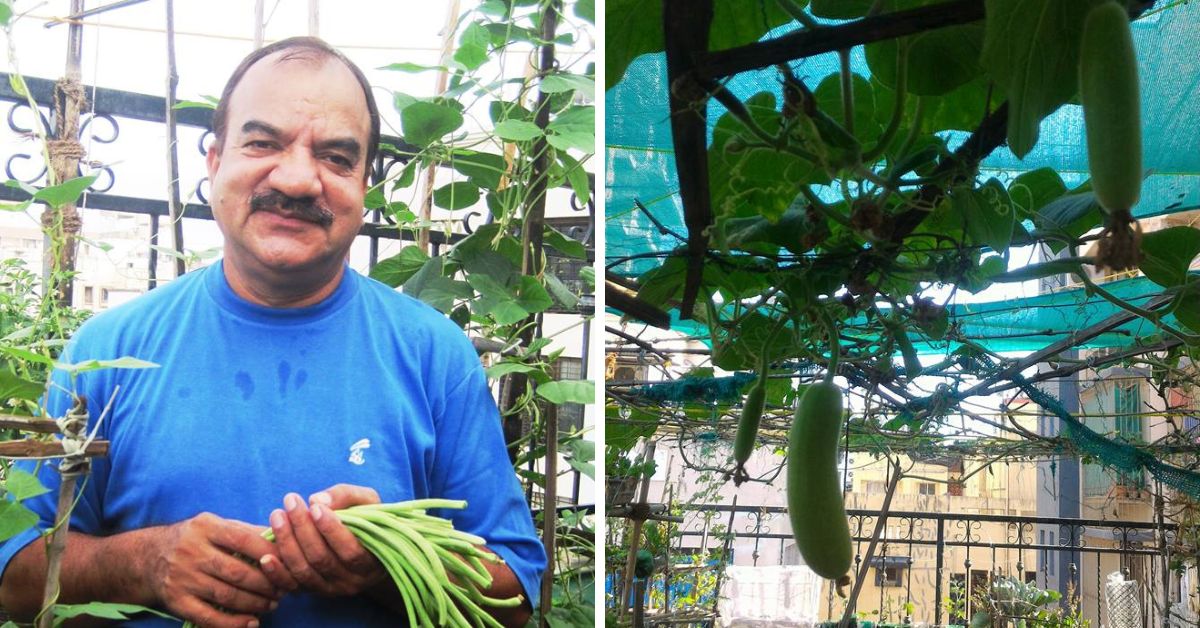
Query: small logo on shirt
<point x="356" y="450"/>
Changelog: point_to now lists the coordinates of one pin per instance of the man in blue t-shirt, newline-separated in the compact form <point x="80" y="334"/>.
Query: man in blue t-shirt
<point x="289" y="386"/>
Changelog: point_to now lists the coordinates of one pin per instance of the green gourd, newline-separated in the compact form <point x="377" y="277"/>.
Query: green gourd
<point x="814" y="494"/>
<point x="1108" y="89"/>
<point x="752" y="411"/>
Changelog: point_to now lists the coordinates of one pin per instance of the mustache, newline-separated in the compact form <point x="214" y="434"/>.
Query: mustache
<point x="307" y="209"/>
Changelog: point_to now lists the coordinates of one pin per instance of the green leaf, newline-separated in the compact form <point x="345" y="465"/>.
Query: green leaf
<point x="759" y="181"/>
<point x="988" y="214"/>
<point x="16" y="207"/>
<point x="87" y="366"/>
<point x="396" y="270"/>
<point x="433" y="268"/>
<point x="496" y="371"/>
<point x="194" y="104"/>
<point x="1031" y="49"/>
<point x="1072" y="214"/>
<point x="576" y="120"/>
<point x="565" y="82"/>
<point x="423" y="123"/>
<point x="586" y="11"/>
<point x="27" y="356"/>
<point x="561" y="243"/>
<point x="828" y="95"/>
<point x="17" y="83"/>
<point x="374" y="199"/>
<point x="979" y="278"/>
<point x="408" y="175"/>
<point x="472" y="46"/>
<point x="532" y="296"/>
<point x="442" y="292"/>
<point x="495" y="300"/>
<point x="634" y="28"/>
<point x="483" y="169"/>
<point x="457" y="195"/>
<point x="580" y="454"/>
<point x="66" y="192"/>
<point x="104" y="610"/>
<point x="659" y="286"/>
<point x="582" y="141"/>
<point x="1033" y="190"/>
<point x="15" y="518"/>
<point x="939" y="61"/>
<point x="6" y="13"/>
<point x="1187" y="312"/>
<point x="517" y="130"/>
<point x="577" y="177"/>
<point x="13" y="386"/>
<point x="1167" y="254"/>
<point x="568" y="391"/>
<point x="22" y="485"/>
<point x="622" y="434"/>
<point x="840" y="9"/>
<point x="412" y="67"/>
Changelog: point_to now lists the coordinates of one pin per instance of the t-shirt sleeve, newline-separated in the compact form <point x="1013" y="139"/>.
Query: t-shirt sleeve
<point x="86" y="515"/>
<point x="471" y="463"/>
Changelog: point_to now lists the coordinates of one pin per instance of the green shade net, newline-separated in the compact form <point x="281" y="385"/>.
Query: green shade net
<point x="640" y="165"/>
<point x="1028" y="324"/>
<point x="1126" y="459"/>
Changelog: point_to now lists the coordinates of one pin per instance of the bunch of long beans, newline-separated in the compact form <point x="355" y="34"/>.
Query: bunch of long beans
<point x="438" y="570"/>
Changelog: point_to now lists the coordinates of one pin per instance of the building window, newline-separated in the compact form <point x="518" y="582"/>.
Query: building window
<point x="875" y="487"/>
<point x="87" y="296"/>
<point x="891" y="576"/>
<point x="926" y="488"/>
<point x="570" y="415"/>
<point x="1126" y="406"/>
<point x="890" y="571"/>
<point x="1050" y="560"/>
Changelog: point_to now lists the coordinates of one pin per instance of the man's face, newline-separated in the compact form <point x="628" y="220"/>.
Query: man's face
<point x="287" y="181"/>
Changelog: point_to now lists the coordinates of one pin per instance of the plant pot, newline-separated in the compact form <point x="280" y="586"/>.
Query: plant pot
<point x="620" y="490"/>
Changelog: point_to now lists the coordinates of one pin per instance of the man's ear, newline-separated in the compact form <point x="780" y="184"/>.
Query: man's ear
<point x="212" y="159"/>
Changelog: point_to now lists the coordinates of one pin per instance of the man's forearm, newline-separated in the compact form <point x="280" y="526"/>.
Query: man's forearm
<point x="93" y="568"/>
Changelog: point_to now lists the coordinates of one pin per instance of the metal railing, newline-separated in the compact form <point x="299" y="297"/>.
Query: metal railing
<point x="929" y="567"/>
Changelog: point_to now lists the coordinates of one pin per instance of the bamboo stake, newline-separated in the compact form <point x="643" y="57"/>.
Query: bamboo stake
<point x="174" y="208"/>
<point x="71" y="468"/>
<point x="62" y="225"/>
<point x="439" y="87"/>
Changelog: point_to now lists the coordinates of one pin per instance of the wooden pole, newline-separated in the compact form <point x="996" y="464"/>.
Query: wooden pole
<point x="549" y="512"/>
<point x="635" y="535"/>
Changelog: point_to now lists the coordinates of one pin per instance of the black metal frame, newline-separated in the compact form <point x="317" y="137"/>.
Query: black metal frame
<point x="1149" y="542"/>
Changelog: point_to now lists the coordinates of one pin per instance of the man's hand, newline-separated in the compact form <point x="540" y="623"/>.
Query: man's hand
<point x="317" y="552"/>
<point x="205" y="569"/>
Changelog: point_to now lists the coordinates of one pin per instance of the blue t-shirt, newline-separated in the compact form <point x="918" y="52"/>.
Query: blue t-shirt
<point x="367" y="387"/>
